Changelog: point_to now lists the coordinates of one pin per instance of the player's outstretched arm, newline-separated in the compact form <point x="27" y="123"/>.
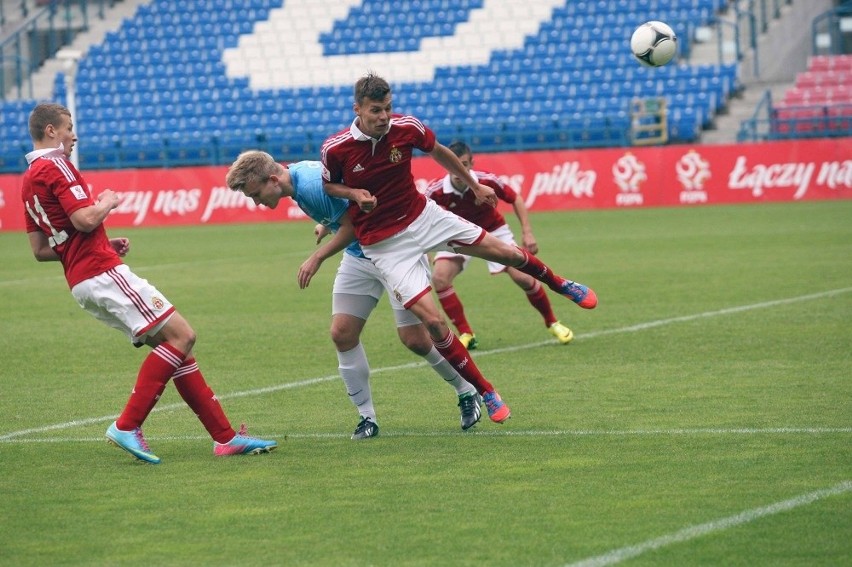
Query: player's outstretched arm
<point x="342" y="238"/>
<point x="41" y="247"/>
<point x="365" y="200"/>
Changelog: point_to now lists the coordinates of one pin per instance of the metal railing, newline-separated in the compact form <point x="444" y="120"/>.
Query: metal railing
<point x="806" y="120"/>
<point x="43" y="30"/>
<point x="828" y="34"/>
<point x="803" y="121"/>
<point x="757" y="127"/>
<point x="767" y="10"/>
<point x="751" y="19"/>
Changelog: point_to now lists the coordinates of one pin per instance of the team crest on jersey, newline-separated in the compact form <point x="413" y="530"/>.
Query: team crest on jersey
<point x="157" y="302"/>
<point x="395" y="155"/>
<point x="397" y="295"/>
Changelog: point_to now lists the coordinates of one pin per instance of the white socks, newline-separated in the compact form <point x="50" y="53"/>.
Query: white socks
<point x="355" y="371"/>
<point x="446" y="371"/>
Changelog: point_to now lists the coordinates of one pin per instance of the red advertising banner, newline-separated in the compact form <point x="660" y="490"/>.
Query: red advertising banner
<point x="686" y="175"/>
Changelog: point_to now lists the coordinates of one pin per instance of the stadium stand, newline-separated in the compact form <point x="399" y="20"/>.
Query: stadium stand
<point x="820" y="102"/>
<point x="196" y="82"/>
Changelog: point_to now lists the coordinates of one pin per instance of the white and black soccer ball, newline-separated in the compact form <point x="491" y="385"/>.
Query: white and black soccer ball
<point x="654" y="43"/>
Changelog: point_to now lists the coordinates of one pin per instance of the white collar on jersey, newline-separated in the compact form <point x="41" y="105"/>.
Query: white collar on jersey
<point x="448" y="184"/>
<point x="35" y="154"/>
<point x="361" y="136"/>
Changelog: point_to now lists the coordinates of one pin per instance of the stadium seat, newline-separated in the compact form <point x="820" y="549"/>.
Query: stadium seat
<point x="192" y="75"/>
<point x="820" y="102"/>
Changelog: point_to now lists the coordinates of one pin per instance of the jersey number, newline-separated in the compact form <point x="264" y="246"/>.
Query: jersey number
<point x="40" y="217"/>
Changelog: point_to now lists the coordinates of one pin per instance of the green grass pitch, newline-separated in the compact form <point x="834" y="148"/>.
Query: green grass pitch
<point x="702" y="415"/>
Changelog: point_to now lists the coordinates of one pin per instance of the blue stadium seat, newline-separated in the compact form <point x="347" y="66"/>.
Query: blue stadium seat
<point x="160" y="82"/>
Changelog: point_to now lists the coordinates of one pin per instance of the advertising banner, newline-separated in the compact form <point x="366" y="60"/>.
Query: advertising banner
<point x="683" y="175"/>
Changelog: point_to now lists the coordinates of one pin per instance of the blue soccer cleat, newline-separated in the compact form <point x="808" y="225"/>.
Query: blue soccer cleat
<point x="133" y="442"/>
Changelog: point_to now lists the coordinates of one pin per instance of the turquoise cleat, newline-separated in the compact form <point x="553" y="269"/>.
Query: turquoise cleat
<point x="133" y="442"/>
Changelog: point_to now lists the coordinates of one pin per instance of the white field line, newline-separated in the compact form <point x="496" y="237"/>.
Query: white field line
<point x="146" y="269"/>
<point x="417" y="364"/>
<point x="692" y="532"/>
<point x="483" y="433"/>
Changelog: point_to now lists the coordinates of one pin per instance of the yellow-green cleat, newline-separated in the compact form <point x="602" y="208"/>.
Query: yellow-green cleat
<point x="468" y="340"/>
<point x="562" y="333"/>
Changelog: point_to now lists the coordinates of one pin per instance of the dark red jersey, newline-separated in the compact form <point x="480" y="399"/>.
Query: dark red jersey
<point x="52" y="190"/>
<point x="464" y="203"/>
<point x="382" y="167"/>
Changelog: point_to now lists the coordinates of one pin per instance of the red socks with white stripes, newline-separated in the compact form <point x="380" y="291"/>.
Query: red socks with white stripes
<point x="154" y="374"/>
<point x="537" y="297"/>
<point x="454" y="309"/>
<point x="455" y="353"/>
<point x="540" y="271"/>
<point x="161" y="364"/>
<point x="200" y="398"/>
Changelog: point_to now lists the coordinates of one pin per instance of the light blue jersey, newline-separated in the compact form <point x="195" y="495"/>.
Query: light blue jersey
<point x="309" y="195"/>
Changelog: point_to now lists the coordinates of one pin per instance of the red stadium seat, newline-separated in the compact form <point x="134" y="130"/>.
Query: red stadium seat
<point x="826" y="62"/>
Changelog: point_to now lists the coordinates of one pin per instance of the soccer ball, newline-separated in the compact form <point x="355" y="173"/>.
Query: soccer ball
<point x="654" y="43"/>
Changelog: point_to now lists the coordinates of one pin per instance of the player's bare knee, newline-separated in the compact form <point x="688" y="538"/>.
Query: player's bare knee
<point x="190" y="342"/>
<point x="498" y="251"/>
<point x="344" y="339"/>
<point x="437" y="328"/>
<point x="422" y="349"/>
<point x="515" y="256"/>
<point x="184" y="341"/>
<point x="441" y="282"/>
<point x="178" y="333"/>
<point x="419" y="344"/>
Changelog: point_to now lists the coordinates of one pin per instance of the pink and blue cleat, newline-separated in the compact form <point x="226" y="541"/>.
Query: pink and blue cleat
<point x="498" y="411"/>
<point x="242" y="444"/>
<point x="582" y="295"/>
<point x="133" y="442"/>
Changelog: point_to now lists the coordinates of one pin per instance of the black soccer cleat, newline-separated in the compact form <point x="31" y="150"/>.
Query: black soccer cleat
<point x="366" y="428"/>
<point x="470" y="411"/>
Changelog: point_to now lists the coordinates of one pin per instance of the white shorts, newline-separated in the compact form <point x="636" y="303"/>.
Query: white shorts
<point x="358" y="286"/>
<point x="124" y="301"/>
<point x="400" y="258"/>
<point x="503" y="233"/>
